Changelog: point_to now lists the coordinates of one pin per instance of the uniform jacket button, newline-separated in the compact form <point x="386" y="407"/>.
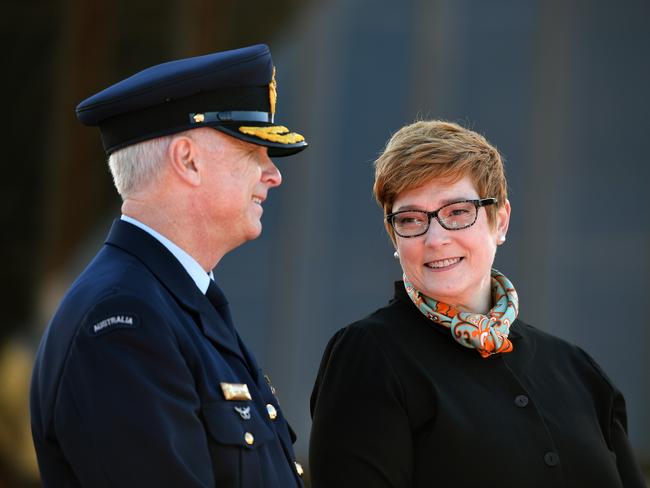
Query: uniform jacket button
<point x="248" y="438"/>
<point x="551" y="458"/>
<point x="521" y="400"/>
<point x="273" y="413"/>
<point x="299" y="469"/>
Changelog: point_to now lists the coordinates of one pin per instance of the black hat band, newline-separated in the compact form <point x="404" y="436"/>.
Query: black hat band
<point x="231" y="116"/>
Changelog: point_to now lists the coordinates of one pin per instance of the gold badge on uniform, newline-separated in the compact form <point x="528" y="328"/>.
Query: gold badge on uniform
<point x="235" y="391"/>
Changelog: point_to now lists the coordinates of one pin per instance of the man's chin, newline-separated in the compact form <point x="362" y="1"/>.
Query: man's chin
<point x="254" y="233"/>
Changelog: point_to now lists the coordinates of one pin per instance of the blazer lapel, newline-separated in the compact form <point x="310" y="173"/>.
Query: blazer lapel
<point x="164" y="265"/>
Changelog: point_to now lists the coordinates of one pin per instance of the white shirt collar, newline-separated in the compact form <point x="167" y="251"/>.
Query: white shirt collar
<point x="193" y="268"/>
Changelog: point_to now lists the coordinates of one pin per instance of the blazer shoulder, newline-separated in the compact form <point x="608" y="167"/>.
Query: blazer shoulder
<point x="394" y="322"/>
<point x="114" y="292"/>
<point x="546" y="339"/>
<point x="112" y="273"/>
<point x="373" y="335"/>
<point x="565" y="352"/>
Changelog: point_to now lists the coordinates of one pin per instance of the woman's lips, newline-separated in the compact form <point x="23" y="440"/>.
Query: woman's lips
<point x="443" y="263"/>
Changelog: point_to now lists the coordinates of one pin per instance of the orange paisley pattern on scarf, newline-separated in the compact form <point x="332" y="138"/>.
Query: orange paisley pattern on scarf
<point x="488" y="334"/>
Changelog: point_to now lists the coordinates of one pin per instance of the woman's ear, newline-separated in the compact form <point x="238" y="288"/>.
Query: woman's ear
<point x="183" y="153"/>
<point x="502" y="222"/>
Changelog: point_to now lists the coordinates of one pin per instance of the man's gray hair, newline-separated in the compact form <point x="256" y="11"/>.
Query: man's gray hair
<point x="136" y="166"/>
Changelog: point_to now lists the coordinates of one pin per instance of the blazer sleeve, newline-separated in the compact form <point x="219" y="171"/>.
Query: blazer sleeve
<point x="360" y="428"/>
<point x="126" y="412"/>
<point x="628" y="467"/>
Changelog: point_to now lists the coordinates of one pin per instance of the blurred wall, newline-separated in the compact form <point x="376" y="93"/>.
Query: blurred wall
<point x="559" y="87"/>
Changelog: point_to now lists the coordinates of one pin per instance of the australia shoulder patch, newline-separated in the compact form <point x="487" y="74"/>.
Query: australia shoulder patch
<point x="113" y="322"/>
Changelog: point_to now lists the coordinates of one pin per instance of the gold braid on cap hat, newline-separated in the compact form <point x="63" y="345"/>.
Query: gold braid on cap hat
<point x="273" y="94"/>
<point x="275" y="133"/>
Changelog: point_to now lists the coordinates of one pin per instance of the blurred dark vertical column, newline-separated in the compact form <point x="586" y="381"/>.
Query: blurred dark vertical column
<point x="27" y="66"/>
<point x="547" y="138"/>
<point x="75" y="187"/>
<point x="29" y="30"/>
<point x="431" y="60"/>
<point x="196" y="26"/>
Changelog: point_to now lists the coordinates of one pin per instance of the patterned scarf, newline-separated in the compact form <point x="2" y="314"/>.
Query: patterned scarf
<point x="488" y="334"/>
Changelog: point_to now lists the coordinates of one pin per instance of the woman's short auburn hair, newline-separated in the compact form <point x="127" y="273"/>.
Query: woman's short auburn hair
<point x="424" y="150"/>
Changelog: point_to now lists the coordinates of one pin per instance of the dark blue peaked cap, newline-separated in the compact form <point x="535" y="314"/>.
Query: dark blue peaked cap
<point x="231" y="91"/>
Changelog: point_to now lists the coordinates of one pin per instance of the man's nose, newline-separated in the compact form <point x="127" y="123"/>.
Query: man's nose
<point x="270" y="173"/>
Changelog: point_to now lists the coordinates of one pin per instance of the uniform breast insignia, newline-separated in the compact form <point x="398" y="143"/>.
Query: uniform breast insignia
<point x="235" y="391"/>
<point x="244" y="412"/>
<point x="113" y="322"/>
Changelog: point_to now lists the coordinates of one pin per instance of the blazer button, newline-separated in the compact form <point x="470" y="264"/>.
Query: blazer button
<point x="551" y="458"/>
<point x="273" y="413"/>
<point x="248" y="438"/>
<point x="299" y="469"/>
<point x="521" y="401"/>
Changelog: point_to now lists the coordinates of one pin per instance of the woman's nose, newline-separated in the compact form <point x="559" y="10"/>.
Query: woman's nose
<point x="436" y="234"/>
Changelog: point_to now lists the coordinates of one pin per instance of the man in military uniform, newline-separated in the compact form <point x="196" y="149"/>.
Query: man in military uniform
<point x="141" y="378"/>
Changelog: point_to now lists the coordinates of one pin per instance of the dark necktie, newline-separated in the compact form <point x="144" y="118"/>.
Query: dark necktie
<point x="218" y="300"/>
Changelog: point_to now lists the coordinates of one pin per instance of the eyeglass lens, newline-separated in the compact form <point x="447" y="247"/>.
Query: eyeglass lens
<point x="451" y="217"/>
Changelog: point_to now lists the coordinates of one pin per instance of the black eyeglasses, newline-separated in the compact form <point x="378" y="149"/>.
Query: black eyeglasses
<point x="453" y="216"/>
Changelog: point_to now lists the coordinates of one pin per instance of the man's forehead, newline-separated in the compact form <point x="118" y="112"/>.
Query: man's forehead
<point x="211" y="136"/>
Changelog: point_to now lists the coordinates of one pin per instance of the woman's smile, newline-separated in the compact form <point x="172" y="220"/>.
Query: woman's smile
<point x="443" y="264"/>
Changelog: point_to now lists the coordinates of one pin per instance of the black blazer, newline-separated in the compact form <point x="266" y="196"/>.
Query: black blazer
<point x="399" y="403"/>
<point x="126" y="386"/>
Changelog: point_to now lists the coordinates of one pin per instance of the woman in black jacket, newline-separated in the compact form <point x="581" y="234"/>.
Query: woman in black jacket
<point x="445" y="386"/>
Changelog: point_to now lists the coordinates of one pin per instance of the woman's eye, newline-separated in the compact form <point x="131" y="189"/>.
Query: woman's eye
<point x="409" y="220"/>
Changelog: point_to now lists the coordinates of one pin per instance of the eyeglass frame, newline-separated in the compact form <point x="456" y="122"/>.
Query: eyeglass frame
<point x="478" y="203"/>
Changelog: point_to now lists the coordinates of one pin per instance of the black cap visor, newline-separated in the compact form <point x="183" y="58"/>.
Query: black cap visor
<point x="285" y="144"/>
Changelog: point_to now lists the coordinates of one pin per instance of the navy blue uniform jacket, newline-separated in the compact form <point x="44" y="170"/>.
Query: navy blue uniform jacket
<point x="126" y="386"/>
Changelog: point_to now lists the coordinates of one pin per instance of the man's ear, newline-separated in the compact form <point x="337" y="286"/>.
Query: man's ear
<point x="183" y="155"/>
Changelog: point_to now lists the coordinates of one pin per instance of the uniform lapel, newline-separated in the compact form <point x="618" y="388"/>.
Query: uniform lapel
<point x="250" y="360"/>
<point x="164" y="265"/>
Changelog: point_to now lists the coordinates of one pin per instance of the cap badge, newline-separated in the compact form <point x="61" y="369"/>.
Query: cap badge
<point x="273" y="94"/>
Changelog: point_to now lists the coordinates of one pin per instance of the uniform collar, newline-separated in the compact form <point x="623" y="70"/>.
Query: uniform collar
<point x="193" y="268"/>
<point x="173" y="276"/>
